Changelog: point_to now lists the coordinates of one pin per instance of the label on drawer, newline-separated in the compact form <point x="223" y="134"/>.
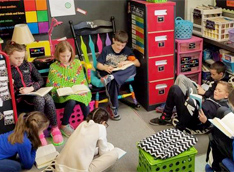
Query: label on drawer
<point x="160" y="12"/>
<point x="160" y="38"/>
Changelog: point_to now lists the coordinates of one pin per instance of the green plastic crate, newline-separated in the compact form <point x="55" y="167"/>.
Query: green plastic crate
<point x="184" y="162"/>
<point x="156" y="1"/>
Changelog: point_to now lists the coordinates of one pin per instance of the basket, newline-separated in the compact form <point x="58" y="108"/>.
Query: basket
<point x="182" y="162"/>
<point x="183" y="28"/>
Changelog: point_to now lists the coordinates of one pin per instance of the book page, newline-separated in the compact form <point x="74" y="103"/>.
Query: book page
<point x="120" y="152"/>
<point x="46" y="160"/>
<point x="222" y="127"/>
<point x="45" y="150"/>
<point x="79" y="89"/>
<point x="43" y="91"/>
<point x="64" y="91"/>
<point x="123" y="67"/>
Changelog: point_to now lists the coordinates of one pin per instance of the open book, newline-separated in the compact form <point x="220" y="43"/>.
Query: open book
<point x="41" y="92"/>
<point x="75" y="89"/>
<point x="45" y="155"/>
<point x="225" y="124"/>
<point x="123" y="67"/>
<point x="121" y="152"/>
<point x="197" y="97"/>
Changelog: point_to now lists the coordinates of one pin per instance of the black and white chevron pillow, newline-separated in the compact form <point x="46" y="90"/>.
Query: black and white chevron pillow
<point x="167" y="143"/>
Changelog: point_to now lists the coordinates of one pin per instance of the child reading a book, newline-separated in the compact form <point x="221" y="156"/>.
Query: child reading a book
<point x="27" y="79"/>
<point x="67" y="72"/>
<point x="22" y="141"/>
<point x="222" y="146"/>
<point x="116" y="55"/>
<point x="218" y="73"/>
<point x="187" y="108"/>
<point x="89" y="139"/>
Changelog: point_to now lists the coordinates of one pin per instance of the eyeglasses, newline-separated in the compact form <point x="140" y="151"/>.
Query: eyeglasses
<point x="106" y="124"/>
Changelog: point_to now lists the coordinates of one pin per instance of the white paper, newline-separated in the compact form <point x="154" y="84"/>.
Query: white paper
<point x="160" y="12"/>
<point x="1" y="102"/>
<point x="160" y="38"/>
<point x="62" y="8"/>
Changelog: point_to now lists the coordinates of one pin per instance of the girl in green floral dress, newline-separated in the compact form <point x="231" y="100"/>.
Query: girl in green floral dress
<point x="66" y="72"/>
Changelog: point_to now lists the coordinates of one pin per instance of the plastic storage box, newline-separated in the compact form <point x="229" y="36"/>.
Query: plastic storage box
<point x="76" y="117"/>
<point x="216" y="28"/>
<point x="189" y="62"/>
<point x="229" y="65"/>
<point x="195" y="77"/>
<point x="182" y="162"/>
<point x="231" y="35"/>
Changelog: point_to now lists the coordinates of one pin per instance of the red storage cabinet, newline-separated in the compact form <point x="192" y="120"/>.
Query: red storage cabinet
<point x="160" y="43"/>
<point x="160" y="68"/>
<point x="159" y="17"/>
<point x="152" y="39"/>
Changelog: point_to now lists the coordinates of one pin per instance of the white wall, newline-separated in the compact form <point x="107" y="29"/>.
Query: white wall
<point x="191" y="4"/>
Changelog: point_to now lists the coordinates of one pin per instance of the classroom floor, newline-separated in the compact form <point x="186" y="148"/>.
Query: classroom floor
<point x="132" y="128"/>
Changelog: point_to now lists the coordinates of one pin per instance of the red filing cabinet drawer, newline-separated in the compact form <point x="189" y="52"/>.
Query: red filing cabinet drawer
<point x="160" y="18"/>
<point x="161" y="67"/>
<point x="158" y="91"/>
<point x="160" y="43"/>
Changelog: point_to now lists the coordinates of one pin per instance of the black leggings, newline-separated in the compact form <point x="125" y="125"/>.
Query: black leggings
<point x="68" y="110"/>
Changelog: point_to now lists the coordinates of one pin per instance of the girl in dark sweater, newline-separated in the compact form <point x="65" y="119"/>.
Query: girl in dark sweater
<point x="27" y="79"/>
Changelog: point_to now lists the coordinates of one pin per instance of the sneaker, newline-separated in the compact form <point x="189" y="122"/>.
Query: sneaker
<point x="175" y="121"/>
<point x="106" y="79"/>
<point x="57" y="138"/>
<point x="43" y="139"/>
<point x="161" y="108"/>
<point x="67" y="130"/>
<point x="163" y="120"/>
<point x="195" y="132"/>
<point x="113" y="112"/>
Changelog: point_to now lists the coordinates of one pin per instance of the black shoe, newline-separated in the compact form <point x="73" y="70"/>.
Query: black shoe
<point x="163" y="120"/>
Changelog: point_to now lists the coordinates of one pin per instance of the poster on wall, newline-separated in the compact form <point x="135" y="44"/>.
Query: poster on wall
<point x="11" y="13"/>
<point x="62" y="7"/>
<point x="32" y="12"/>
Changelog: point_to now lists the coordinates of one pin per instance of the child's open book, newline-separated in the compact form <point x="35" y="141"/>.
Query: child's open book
<point x="225" y="124"/>
<point x="45" y="155"/>
<point x="121" y="152"/>
<point x="41" y="92"/>
<point x="75" y="89"/>
<point x="197" y="97"/>
<point x="123" y="67"/>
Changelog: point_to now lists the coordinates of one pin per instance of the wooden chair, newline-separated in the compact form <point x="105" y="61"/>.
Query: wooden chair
<point x="90" y="37"/>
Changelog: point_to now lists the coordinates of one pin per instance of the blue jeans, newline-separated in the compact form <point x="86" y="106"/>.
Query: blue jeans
<point x="8" y="165"/>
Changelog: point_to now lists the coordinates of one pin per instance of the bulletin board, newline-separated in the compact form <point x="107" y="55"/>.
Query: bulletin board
<point x="32" y="12"/>
<point x="8" y="112"/>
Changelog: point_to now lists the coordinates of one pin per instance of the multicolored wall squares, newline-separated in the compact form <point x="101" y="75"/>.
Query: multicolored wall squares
<point x="36" y="16"/>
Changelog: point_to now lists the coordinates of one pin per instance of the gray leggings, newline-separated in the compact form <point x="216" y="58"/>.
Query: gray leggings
<point x="185" y="83"/>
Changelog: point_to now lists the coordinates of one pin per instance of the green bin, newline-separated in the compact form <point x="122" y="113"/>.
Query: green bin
<point x="156" y="1"/>
<point x="184" y="162"/>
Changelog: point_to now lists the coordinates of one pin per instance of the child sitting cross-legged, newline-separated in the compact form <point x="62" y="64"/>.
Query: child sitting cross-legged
<point x="188" y="109"/>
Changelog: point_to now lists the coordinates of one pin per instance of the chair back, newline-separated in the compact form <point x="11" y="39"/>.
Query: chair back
<point x="91" y="36"/>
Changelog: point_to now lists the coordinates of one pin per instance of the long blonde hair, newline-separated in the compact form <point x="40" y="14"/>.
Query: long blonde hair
<point x="29" y="123"/>
<point x="62" y="47"/>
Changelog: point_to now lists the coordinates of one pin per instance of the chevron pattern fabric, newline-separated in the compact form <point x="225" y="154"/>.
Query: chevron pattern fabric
<point x="167" y="143"/>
